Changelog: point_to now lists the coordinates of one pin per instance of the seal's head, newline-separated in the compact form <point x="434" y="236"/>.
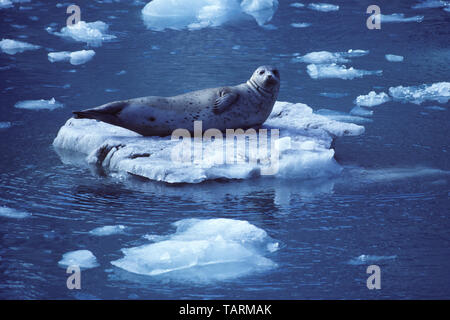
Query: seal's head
<point x="266" y="78"/>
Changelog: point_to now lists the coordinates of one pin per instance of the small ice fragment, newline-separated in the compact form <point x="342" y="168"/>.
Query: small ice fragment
<point x="13" y="213"/>
<point x="39" y="104"/>
<point x="372" y="99"/>
<point x="323" y="7"/>
<point x="107" y="230"/>
<point x="318" y="71"/>
<point x="393" y="58"/>
<point x="82" y="258"/>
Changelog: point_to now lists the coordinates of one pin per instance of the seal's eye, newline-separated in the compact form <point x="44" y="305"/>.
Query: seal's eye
<point x="276" y="73"/>
<point x="261" y="72"/>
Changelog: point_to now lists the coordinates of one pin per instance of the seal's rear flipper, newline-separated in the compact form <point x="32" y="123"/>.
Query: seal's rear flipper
<point x="106" y="113"/>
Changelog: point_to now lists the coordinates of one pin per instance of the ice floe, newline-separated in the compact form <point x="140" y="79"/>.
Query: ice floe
<point x="342" y="116"/>
<point x="399" y="17"/>
<point x="393" y="58"/>
<point x="322" y="71"/>
<point x="372" y="99"/>
<point x="323" y="7"/>
<point x="6" y="4"/>
<point x="75" y="58"/>
<point x="13" y="213"/>
<point x="326" y="57"/>
<point x="439" y="92"/>
<point x="83" y="259"/>
<point x="107" y="230"/>
<point x="203" y="250"/>
<point x="39" y="104"/>
<point x="11" y="47"/>
<point x="92" y="33"/>
<point x="179" y="14"/>
<point x="368" y="259"/>
<point x="358" y="111"/>
<point x="301" y="151"/>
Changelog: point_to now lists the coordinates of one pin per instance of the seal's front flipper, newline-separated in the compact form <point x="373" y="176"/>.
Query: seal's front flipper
<point x="224" y="101"/>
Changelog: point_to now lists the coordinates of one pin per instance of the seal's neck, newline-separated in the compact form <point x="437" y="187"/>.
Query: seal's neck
<point x="255" y="87"/>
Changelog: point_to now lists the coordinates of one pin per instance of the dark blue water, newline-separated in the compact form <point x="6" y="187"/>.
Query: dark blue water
<point x="391" y="201"/>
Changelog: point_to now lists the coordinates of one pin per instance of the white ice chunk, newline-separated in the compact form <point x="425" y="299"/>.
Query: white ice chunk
<point x="92" y="33"/>
<point x="203" y="250"/>
<point x="323" y="7"/>
<point x="84" y="259"/>
<point x="10" y="46"/>
<point x="107" y="230"/>
<point x="39" y="104"/>
<point x="179" y="14"/>
<point x="393" y="58"/>
<point x="326" y="57"/>
<point x="6" y="4"/>
<point x="369" y="259"/>
<point x="300" y="24"/>
<point x="372" y="99"/>
<point x="427" y="4"/>
<point x="5" y="125"/>
<point x="439" y="92"/>
<point x="121" y="152"/>
<point x="399" y="17"/>
<point x="13" y="213"/>
<point x="322" y="71"/>
<point x="297" y="5"/>
<point x="75" y="58"/>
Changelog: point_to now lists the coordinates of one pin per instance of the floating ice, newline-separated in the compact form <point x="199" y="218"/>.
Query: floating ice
<point x="39" y="104"/>
<point x="439" y="92"/>
<point x="368" y="259"/>
<point x="203" y="250"/>
<point x="342" y="116"/>
<point x="6" y="4"/>
<point x="180" y="14"/>
<point x="372" y="99"/>
<point x="5" y="125"/>
<point x="300" y="24"/>
<point x="9" y="46"/>
<point x="82" y="258"/>
<point x="427" y="4"/>
<point x="326" y="57"/>
<point x="358" y="111"/>
<point x="13" y="213"/>
<point x="393" y="58"/>
<point x="334" y="95"/>
<point x="399" y="17"/>
<point x="435" y="108"/>
<point x="323" y="7"/>
<point x="92" y="33"/>
<point x="322" y="71"/>
<point x="107" y="230"/>
<point x="75" y="58"/>
<point x="297" y="5"/>
<point x="303" y="146"/>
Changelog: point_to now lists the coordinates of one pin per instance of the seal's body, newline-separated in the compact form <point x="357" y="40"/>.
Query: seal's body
<point x="242" y="106"/>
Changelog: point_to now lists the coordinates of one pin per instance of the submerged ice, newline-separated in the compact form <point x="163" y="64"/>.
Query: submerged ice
<point x="179" y="14"/>
<point x="12" y="47"/>
<point x="203" y="250"/>
<point x="303" y="149"/>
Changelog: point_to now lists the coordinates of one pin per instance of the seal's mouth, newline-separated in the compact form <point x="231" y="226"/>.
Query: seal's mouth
<point x="270" y="82"/>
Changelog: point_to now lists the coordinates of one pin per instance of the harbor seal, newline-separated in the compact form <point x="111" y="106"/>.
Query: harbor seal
<point x="242" y="106"/>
